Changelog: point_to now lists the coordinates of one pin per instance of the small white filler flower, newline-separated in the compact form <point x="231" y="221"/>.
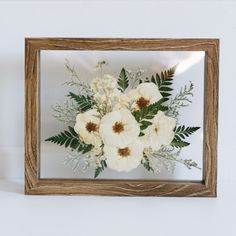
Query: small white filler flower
<point x="87" y="127"/>
<point x="119" y="128"/>
<point x="160" y="132"/>
<point x="126" y="158"/>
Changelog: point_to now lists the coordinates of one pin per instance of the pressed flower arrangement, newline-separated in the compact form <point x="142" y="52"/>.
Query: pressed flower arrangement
<point x="124" y="121"/>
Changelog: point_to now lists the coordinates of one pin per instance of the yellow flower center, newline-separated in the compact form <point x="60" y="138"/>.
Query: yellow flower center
<point x="118" y="127"/>
<point x="142" y="102"/>
<point x="91" y="127"/>
<point x="124" y="152"/>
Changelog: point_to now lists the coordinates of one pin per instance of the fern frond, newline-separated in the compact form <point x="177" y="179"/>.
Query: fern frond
<point x="179" y="143"/>
<point x="182" y="99"/>
<point x="123" y="81"/>
<point x="147" y="113"/>
<point x="146" y="164"/>
<point x="164" y="80"/>
<point x="85" y="102"/>
<point x="70" y="139"/>
<point x="181" y="132"/>
<point x="100" y="168"/>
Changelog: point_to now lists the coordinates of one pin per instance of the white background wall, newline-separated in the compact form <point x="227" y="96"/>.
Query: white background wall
<point x="21" y="215"/>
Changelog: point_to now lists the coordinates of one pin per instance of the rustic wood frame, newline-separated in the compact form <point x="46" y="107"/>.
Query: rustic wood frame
<point x="35" y="185"/>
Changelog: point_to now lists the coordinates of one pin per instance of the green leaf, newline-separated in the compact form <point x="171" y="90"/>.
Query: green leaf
<point x="70" y="139"/>
<point x="147" y="113"/>
<point x="164" y="80"/>
<point x="123" y="81"/>
<point x="145" y="124"/>
<point x="181" y="132"/>
<point x="99" y="169"/>
<point x="179" y="143"/>
<point x="141" y="134"/>
<point x="85" y="102"/>
<point x="145" y="162"/>
<point x="166" y="89"/>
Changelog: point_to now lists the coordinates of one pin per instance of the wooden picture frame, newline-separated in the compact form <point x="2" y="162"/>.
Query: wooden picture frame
<point x="35" y="185"/>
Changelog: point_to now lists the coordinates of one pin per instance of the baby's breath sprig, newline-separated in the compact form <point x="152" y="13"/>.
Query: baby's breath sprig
<point x="66" y="112"/>
<point x="75" y="81"/>
<point x="100" y="66"/>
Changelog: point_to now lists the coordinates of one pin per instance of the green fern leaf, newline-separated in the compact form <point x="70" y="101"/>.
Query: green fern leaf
<point x="181" y="132"/>
<point x="101" y="168"/>
<point x="164" y="80"/>
<point x="70" y="139"/>
<point x="150" y="111"/>
<point x="179" y="143"/>
<point x="85" y="102"/>
<point x="123" y="81"/>
<point x="145" y="114"/>
<point x="145" y="162"/>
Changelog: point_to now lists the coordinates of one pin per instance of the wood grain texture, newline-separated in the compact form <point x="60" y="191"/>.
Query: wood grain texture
<point x="35" y="185"/>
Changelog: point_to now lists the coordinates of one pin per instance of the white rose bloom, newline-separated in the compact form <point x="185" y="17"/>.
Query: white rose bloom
<point x="87" y="127"/>
<point x="144" y="95"/>
<point x="124" y="159"/>
<point x="160" y="132"/>
<point x="119" y="128"/>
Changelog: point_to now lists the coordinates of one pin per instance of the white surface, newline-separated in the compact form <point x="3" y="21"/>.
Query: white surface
<point x="54" y="74"/>
<point x="106" y="216"/>
<point x="29" y="216"/>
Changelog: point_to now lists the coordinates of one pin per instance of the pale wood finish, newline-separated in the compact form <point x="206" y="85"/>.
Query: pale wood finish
<point x="35" y="185"/>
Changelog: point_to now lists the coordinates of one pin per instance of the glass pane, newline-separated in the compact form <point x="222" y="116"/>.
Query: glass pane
<point x="57" y="161"/>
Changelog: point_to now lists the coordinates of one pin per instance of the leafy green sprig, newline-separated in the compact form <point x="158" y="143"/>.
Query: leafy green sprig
<point x="181" y="132"/>
<point x="123" y="81"/>
<point x="84" y="102"/>
<point x="168" y="156"/>
<point x="180" y="100"/>
<point x="144" y="115"/>
<point x="164" y="80"/>
<point x="70" y="139"/>
<point x="100" y="168"/>
<point x="146" y="164"/>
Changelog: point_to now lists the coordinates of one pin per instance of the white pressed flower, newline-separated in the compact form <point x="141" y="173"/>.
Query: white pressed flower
<point x="126" y="158"/>
<point x="119" y="128"/>
<point x="144" y="95"/>
<point x="100" y="98"/>
<point x="115" y="95"/>
<point x="87" y="127"/>
<point x="109" y="81"/>
<point x="106" y="102"/>
<point x="123" y="101"/>
<point x="104" y="84"/>
<point x="96" y="151"/>
<point x="160" y="132"/>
